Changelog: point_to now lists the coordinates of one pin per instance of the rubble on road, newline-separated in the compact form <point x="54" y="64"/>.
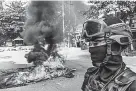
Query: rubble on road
<point x="53" y="67"/>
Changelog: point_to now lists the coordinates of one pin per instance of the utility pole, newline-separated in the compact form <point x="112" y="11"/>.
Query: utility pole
<point x="63" y="22"/>
<point x="71" y="6"/>
<point x="69" y="23"/>
<point x="63" y="17"/>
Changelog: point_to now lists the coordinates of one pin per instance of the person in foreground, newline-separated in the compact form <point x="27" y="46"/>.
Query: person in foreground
<point x="107" y="38"/>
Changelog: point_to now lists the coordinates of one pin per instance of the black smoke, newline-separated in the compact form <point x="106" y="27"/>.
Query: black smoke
<point x="44" y="21"/>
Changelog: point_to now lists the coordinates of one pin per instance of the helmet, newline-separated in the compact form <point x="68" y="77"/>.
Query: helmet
<point x="107" y="28"/>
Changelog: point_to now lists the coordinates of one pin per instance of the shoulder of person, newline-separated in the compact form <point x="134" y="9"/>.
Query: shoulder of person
<point x="126" y="77"/>
<point x="92" y="70"/>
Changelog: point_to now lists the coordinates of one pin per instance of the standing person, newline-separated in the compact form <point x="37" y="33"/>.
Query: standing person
<point x="108" y="37"/>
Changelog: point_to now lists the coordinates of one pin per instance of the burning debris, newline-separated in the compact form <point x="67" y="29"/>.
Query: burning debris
<point x="43" y="26"/>
<point x="45" y="67"/>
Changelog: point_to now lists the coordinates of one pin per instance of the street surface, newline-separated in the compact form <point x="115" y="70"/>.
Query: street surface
<point x="76" y="58"/>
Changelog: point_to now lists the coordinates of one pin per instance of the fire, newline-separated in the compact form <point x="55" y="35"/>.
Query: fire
<point x="43" y="26"/>
<point x="51" y="68"/>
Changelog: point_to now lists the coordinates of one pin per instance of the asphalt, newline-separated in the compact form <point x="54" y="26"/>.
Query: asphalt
<point x="76" y="59"/>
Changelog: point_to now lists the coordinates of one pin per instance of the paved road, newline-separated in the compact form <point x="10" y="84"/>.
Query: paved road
<point x="78" y="59"/>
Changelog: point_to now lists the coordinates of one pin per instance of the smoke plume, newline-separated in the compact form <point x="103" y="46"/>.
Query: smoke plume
<point x="43" y="21"/>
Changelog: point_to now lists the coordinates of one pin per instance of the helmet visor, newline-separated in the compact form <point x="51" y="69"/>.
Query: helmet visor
<point x="91" y="28"/>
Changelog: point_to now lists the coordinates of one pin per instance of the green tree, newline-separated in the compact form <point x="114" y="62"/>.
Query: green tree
<point x="12" y="18"/>
<point x="106" y="6"/>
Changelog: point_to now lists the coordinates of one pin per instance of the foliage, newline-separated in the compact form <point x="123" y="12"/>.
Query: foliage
<point x="107" y="6"/>
<point x="12" y="18"/>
